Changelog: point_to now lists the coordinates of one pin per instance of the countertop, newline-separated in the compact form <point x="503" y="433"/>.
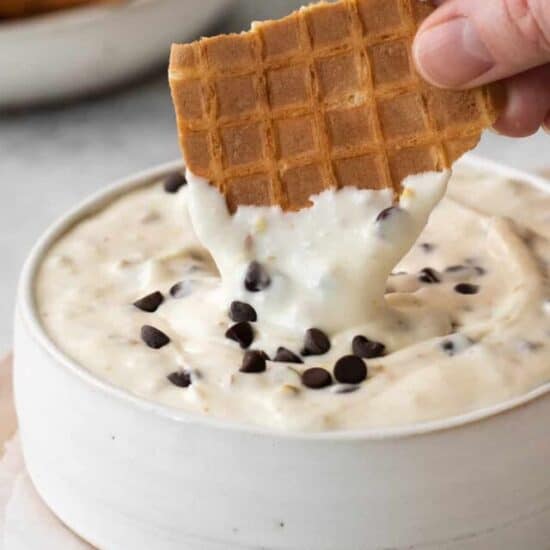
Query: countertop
<point x="52" y="158"/>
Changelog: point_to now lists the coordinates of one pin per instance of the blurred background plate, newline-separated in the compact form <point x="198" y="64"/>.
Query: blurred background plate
<point x="85" y="50"/>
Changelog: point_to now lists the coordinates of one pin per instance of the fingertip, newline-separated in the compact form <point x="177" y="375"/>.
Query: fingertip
<point x="527" y="105"/>
<point x="514" y="129"/>
<point x="451" y="54"/>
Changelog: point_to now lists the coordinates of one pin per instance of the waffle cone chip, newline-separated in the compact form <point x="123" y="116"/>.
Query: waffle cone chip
<point x="324" y="98"/>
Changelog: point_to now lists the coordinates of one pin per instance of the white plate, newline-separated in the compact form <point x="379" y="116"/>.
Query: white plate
<point x="88" y="49"/>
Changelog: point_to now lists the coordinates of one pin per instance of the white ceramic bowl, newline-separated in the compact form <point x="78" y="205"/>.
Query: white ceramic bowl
<point x="91" y="48"/>
<point x="131" y="475"/>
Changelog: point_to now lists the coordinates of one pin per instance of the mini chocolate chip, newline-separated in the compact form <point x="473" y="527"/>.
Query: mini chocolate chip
<point x="150" y="303"/>
<point x="242" y="333"/>
<point x="429" y="276"/>
<point x="154" y="337"/>
<point x="455" y="343"/>
<point x="284" y="355"/>
<point x="241" y="311"/>
<point x="466" y="288"/>
<point x="427" y="247"/>
<point x="253" y="361"/>
<point x="345" y="388"/>
<point x="448" y="347"/>
<point x="369" y="349"/>
<point x="174" y="182"/>
<point x="455" y="268"/>
<point x="386" y="213"/>
<point x="316" y="378"/>
<point x="256" y="277"/>
<point x="181" y="289"/>
<point x="316" y="342"/>
<point x="180" y="378"/>
<point x="350" y="369"/>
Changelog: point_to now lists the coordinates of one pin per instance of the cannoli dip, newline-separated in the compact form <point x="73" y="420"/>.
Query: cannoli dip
<point x="356" y="312"/>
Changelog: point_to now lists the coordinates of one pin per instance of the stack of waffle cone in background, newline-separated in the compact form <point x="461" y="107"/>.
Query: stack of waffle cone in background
<point x="324" y="98"/>
<point x="23" y="8"/>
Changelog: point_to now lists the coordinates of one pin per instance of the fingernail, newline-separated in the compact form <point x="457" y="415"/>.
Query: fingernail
<point x="452" y="54"/>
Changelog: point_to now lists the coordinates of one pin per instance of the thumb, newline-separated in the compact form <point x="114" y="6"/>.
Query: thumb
<point x="466" y="43"/>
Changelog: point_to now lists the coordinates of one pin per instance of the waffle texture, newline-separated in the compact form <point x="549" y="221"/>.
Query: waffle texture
<point x="324" y="98"/>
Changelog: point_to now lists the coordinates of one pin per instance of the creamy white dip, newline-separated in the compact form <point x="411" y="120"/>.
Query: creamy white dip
<point x="447" y="352"/>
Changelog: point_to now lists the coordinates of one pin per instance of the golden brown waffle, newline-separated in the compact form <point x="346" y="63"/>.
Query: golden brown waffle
<point x="325" y="98"/>
<point x="20" y="8"/>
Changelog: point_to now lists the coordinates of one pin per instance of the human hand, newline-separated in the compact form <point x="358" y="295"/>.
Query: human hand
<point x="466" y="43"/>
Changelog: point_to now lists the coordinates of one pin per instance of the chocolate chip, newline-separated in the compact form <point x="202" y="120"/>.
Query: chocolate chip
<point x="369" y="349"/>
<point x="154" y="337"/>
<point x="242" y="333"/>
<point x="316" y="342"/>
<point x="455" y="268"/>
<point x="316" y="378"/>
<point x="429" y="276"/>
<point x="181" y="289"/>
<point x="254" y="361"/>
<point x="455" y="343"/>
<point x="180" y="378"/>
<point x="284" y="355"/>
<point x="256" y="277"/>
<point x="150" y="303"/>
<point x="386" y="213"/>
<point x="350" y="370"/>
<point x="466" y="288"/>
<point x="480" y="271"/>
<point x="448" y="347"/>
<point x="427" y="247"/>
<point x="241" y="311"/>
<point x="174" y="182"/>
<point x="345" y="388"/>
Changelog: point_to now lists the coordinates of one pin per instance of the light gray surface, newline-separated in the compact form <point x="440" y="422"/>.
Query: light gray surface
<point x="50" y="159"/>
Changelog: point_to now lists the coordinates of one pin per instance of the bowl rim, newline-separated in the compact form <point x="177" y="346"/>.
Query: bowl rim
<point x="26" y="309"/>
